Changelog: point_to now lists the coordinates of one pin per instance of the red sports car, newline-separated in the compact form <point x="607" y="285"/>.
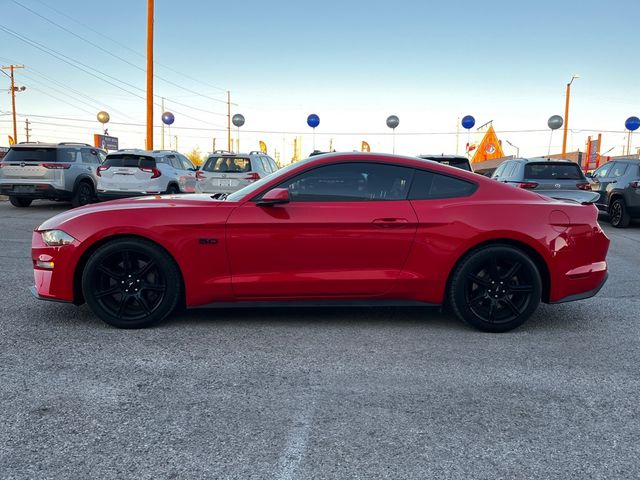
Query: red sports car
<point x="333" y="228"/>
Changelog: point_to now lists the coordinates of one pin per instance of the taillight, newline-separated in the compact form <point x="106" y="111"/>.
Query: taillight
<point x="252" y="177"/>
<point x="3" y="165"/>
<point x="155" y="173"/>
<point x="200" y="175"/>
<point x="101" y="168"/>
<point x="635" y="184"/>
<point x="584" y="186"/>
<point x="527" y="185"/>
<point x="56" y="166"/>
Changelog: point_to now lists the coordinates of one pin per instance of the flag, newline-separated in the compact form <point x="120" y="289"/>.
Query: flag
<point x="11" y="140"/>
<point x="263" y="147"/>
<point x="365" y="147"/>
<point x="489" y="148"/>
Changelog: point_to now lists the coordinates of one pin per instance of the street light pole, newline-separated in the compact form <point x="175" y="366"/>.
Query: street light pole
<point x="150" y="14"/>
<point x="566" y="116"/>
<point x="517" y="148"/>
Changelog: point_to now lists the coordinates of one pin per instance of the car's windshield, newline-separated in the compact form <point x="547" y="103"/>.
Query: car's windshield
<point x="227" y="164"/>
<point x="250" y="189"/>
<point x="552" y="171"/>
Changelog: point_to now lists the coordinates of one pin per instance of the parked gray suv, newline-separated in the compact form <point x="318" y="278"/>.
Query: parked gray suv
<point x="542" y="174"/>
<point x="52" y="171"/>
<point x="618" y="183"/>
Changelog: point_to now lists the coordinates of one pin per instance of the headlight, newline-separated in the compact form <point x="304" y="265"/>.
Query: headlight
<point x="56" y="238"/>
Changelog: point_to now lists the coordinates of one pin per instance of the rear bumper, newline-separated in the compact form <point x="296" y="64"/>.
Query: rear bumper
<point x="104" y="196"/>
<point x="584" y="295"/>
<point x="35" y="191"/>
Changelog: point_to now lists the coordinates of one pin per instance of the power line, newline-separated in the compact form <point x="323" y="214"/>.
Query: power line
<point x="95" y="45"/>
<point x="101" y="34"/>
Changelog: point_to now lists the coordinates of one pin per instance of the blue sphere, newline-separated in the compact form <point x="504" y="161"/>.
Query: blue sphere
<point x="468" y="122"/>
<point x="313" y="120"/>
<point x="632" y="123"/>
<point x="168" y="118"/>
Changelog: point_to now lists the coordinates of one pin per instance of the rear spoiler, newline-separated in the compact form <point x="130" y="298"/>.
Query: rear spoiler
<point x="573" y="196"/>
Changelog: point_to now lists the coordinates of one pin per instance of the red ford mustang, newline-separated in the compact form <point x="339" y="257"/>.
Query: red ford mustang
<point x="337" y="228"/>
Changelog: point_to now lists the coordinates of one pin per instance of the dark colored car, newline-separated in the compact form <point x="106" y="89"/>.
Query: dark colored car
<point x="451" y="160"/>
<point x="618" y="185"/>
<point x="344" y="227"/>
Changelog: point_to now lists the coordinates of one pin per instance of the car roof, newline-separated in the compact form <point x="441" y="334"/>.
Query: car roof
<point x="226" y="153"/>
<point x="442" y="157"/>
<point x="147" y="153"/>
<point x="624" y="160"/>
<point x="52" y="145"/>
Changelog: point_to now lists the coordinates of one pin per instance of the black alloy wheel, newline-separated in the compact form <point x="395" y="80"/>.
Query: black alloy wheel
<point x="83" y="195"/>
<point x="131" y="283"/>
<point x="495" y="288"/>
<point x="173" y="190"/>
<point x="618" y="214"/>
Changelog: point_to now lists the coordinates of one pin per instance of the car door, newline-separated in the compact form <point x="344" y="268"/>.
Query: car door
<point x="601" y="179"/>
<point x="187" y="175"/>
<point x="346" y="231"/>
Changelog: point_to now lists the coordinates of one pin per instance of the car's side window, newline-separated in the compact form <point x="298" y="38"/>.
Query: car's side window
<point x="266" y="165"/>
<point x="498" y="173"/>
<point x="174" y="162"/>
<point x="186" y="163"/>
<point x="274" y="165"/>
<point x="358" y="181"/>
<point x="618" y="170"/>
<point x="90" y="156"/>
<point x="509" y="172"/>
<point x="430" y="185"/>
<point x="602" y="171"/>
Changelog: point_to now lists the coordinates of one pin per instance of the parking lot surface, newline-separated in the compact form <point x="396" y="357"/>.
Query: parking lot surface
<point x="356" y="393"/>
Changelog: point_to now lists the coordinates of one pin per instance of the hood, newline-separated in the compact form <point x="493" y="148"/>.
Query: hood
<point x="135" y="203"/>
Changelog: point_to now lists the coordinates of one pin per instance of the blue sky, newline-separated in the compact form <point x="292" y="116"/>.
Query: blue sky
<point x="352" y="63"/>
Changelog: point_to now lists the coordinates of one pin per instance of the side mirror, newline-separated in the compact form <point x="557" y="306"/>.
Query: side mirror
<point x="274" y="196"/>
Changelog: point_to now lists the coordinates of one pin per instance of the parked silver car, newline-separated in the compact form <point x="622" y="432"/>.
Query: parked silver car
<point x="226" y="172"/>
<point x="130" y="173"/>
<point x="51" y="171"/>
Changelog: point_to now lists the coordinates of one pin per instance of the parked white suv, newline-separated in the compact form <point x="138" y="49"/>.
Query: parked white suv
<point x="226" y="172"/>
<point x="130" y="173"/>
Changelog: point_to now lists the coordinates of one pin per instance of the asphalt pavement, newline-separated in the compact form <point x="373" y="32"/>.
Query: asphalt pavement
<point x="355" y="393"/>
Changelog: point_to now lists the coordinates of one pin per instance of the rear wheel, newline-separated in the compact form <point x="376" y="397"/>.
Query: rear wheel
<point x="618" y="214"/>
<point x="173" y="190"/>
<point x="495" y="288"/>
<point x="83" y="195"/>
<point x="131" y="283"/>
<point x="20" y="202"/>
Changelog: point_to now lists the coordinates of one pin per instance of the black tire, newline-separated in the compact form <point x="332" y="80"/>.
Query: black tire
<point x="83" y="195"/>
<point x="20" y="202"/>
<point x="173" y="189"/>
<point x="618" y="213"/>
<point x="131" y="283"/>
<point x="495" y="288"/>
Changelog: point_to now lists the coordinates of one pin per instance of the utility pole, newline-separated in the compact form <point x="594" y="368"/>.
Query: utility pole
<point x="228" y="120"/>
<point x="11" y="68"/>
<point x="175" y="138"/>
<point x="149" y="74"/>
<point x="566" y="116"/>
<point x="27" y="130"/>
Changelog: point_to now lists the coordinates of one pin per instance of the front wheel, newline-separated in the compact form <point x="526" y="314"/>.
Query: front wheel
<point x="495" y="288"/>
<point x="619" y="214"/>
<point x="131" y="283"/>
<point x="20" y="202"/>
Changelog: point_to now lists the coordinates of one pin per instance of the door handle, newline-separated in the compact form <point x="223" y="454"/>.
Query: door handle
<point x="390" y="222"/>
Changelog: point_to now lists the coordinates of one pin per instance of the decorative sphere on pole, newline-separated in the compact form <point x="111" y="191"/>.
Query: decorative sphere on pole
<point x="238" y="120"/>
<point x="313" y="120"/>
<point x="555" y="122"/>
<point x="103" y="117"/>
<point x="393" y="122"/>
<point x="632" y="124"/>
<point x="168" y="118"/>
<point x="468" y="122"/>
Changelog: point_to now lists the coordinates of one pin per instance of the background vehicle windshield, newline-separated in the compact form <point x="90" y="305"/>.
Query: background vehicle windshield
<point x="18" y="154"/>
<point x="227" y="164"/>
<point x="552" y="171"/>
<point x="129" y="161"/>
